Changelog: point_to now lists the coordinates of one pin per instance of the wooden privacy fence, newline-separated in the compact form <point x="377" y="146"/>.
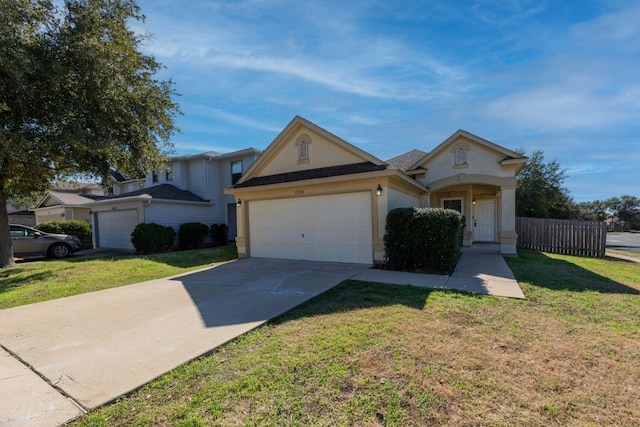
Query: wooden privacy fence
<point x="586" y="238"/>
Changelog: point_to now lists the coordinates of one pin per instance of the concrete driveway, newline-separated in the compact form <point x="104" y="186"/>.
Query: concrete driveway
<point x="95" y="347"/>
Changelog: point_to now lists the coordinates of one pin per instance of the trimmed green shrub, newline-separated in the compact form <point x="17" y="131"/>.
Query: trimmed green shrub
<point x="192" y="234"/>
<point x="219" y="233"/>
<point x="423" y="239"/>
<point x="152" y="237"/>
<point x="75" y="227"/>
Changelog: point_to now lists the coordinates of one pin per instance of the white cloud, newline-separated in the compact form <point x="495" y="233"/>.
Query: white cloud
<point x="557" y="107"/>
<point x="345" y="57"/>
<point x="506" y="12"/>
<point x="617" y="30"/>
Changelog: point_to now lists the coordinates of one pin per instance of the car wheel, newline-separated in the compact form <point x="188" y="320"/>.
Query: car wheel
<point x="59" y="250"/>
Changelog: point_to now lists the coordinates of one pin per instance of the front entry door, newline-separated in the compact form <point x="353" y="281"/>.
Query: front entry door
<point x="484" y="219"/>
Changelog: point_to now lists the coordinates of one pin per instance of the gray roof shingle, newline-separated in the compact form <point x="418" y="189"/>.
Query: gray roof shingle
<point x="312" y="174"/>
<point x="163" y="192"/>
<point x="406" y="160"/>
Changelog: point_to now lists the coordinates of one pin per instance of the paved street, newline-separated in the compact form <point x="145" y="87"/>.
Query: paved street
<point x="624" y="241"/>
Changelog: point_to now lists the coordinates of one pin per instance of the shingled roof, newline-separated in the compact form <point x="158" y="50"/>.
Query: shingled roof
<point x="163" y="192"/>
<point x="406" y="160"/>
<point x="312" y="174"/>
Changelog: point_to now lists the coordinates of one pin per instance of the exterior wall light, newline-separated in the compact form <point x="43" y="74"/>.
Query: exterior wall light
<point x="474" y="201"/>
<point x="238" y="203"/>
<point x="379" y="191"/>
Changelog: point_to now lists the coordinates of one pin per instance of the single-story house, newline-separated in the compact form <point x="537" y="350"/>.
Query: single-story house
<point x="311" y="195"/>
<point x="67" y="201"/>
<point x="62" y="206"/>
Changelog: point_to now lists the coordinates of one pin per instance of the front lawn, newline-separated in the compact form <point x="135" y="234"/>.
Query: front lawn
<point x="45" y="280"/>
<point x="371" y="354"/>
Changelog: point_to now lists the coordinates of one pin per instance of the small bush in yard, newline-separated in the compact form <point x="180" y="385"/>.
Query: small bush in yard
<point x="152" y="237"/>
<point x="192" y="235"/>
<point x="220" y="234"/>
<point x="419" y="239"/>
<point x="75" y="227"/>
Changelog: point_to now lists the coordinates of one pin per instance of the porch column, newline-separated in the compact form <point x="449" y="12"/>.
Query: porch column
<point x="242" y="226"/>
<point x="507" y="235"/>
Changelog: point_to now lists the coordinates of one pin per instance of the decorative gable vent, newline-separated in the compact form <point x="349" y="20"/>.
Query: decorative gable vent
<point x="461" y="156"/>
<point x="303" y="150"/>
<point x="302" y="145"/>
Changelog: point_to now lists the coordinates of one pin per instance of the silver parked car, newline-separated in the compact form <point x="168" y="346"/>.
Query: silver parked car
<point x="30" y="242"/>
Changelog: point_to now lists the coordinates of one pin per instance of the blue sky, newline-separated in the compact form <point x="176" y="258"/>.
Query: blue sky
<point x="391" y="76"/>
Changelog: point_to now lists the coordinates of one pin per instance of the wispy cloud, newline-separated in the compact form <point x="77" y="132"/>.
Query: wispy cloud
<point x="618" y="29"/>
<point x="351" y="64"/>
<point x="506" y="12"/>
<point x="245" y="122"/>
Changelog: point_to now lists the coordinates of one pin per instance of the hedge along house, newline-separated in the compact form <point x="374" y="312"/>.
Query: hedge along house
<point x="313" y="196"/>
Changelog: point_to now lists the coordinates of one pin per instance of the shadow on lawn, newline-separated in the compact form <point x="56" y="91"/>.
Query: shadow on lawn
<point x="541" y="270"/>
<point x="352" y="295"/>
<point x="256" y="290"/>
<point x="13" y="278"/>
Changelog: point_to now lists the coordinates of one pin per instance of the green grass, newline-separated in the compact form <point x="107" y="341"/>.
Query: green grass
<point x="28" y="283"/>
<point x="371" y="354"/>
<point x="623" y="252"/>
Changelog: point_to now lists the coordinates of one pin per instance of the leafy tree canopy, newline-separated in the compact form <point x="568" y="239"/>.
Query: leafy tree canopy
<point x="624" y="211"/>
<point x="540" y="193"/>
<point x="76" y="97"/>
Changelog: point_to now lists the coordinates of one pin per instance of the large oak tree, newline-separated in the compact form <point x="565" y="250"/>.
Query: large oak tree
<point x="77" y="96"/>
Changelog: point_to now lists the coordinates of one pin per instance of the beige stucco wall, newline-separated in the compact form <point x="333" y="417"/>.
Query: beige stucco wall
<point x="395" y="193"/>
<point x="322" y="153"/>
<point x="480" y="161"/>
<point x="62" y="213"/>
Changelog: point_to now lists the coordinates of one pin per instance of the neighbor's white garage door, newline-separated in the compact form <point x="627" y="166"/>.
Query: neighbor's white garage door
<point x="115" y="227"/>
<point x="334" y="228"/>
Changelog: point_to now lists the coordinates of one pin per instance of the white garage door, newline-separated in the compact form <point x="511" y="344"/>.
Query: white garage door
<point x="115" y="227"/>
<point x="335" y="228"/>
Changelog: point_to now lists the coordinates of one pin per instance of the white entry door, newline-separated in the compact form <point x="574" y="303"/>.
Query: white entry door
<point x="336" y="228"/>
<point x="484" y="221"/>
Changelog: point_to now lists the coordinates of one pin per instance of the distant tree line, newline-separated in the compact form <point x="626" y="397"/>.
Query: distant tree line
<point x="541" y="194"/>
<point x="624" y="211"/>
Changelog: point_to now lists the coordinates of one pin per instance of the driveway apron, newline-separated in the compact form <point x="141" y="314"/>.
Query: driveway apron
<point x="97" y="346"/>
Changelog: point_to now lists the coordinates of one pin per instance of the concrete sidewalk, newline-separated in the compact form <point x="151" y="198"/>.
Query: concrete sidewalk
<point x="481" y="269"/>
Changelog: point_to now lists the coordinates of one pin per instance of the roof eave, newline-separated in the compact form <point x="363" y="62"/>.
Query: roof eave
<point x="328" y="180"/>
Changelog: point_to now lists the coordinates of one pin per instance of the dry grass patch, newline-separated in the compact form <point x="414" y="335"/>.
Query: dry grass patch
<point x="369" y="354"/>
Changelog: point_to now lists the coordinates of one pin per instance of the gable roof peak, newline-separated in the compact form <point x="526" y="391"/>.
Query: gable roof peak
<point x="283" y="137"/>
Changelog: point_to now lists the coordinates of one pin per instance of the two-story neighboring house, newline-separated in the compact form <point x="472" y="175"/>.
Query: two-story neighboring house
<point x="189" y="189"/>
